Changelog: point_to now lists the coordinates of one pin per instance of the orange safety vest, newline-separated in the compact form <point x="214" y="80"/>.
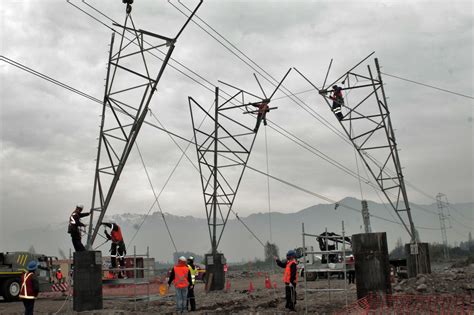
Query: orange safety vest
<point x="26" y="290"/>
<point x="287" y="274"/>
<point x="59" y="275"/>
<point x="116" y="235"/>
<point x="181" y="276"/>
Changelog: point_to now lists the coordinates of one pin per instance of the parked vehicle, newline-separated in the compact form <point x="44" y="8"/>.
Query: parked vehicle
<point x="13" y="264"/>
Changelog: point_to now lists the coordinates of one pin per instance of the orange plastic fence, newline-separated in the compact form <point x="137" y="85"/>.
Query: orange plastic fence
<point x="410" y="304"/>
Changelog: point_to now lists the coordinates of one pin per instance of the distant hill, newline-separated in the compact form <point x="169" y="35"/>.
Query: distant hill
<point x="191" y="234"/>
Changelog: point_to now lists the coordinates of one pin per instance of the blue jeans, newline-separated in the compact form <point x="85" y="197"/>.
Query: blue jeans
<point x="181" y="298"/>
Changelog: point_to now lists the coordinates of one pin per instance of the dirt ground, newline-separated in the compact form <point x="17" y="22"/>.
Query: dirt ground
<point x="238" y="299"/>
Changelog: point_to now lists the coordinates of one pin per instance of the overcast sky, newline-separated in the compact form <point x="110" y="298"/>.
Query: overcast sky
<point x="49" y="135"/>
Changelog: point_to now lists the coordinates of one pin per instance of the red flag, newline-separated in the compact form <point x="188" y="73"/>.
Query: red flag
<point x="251" y="289"/>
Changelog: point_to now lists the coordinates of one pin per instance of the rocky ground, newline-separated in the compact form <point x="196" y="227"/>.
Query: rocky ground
<point x="447" y="280"/>
<point x="241" y="299"/>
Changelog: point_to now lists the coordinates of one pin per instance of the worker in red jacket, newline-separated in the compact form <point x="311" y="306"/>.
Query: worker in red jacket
<point x="181" y="278"/>
<point x="290" y="278"/>
<point x="117" y="248"/>
<point x="263" y="108"/>
<point x="29" y="287"/>
<point x="59" y="276"/>
<point x="337" y="101"/>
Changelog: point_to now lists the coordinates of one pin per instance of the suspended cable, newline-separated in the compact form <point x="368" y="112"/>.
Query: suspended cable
<point x="427" y="85"/>
<point x="459" y="212"/>
<point x="325" y="122"/>
<point x="45" y="77"/>
<point x="268" y="187"/>
<point x="156" y="198"/>
<point x="259" y="70"/>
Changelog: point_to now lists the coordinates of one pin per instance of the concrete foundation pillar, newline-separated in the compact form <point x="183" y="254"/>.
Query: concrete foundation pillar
<point x="215" y="275"/>
<point x="372" y="267"/>
<point x="87" y="284"/>
<point x="418" y="259"/>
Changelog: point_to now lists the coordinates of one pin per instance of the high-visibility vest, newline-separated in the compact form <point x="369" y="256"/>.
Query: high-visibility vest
<point x="181" y="276"/>
<point x="26" y="290"/>
<point x="287" y="274"/>
<point x="59" y="275"/>
<point x="116" y="235"/>
<point x="194" y="272"/>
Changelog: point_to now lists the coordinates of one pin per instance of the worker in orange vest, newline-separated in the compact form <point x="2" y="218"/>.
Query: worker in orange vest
<point x="181" y="278"/>
<point x="263" y="108"/>
<point x="290" y="278"/>
<point x="59" y="275"/>
<point x="29" y="287"/>
<point x="117" y="248"/>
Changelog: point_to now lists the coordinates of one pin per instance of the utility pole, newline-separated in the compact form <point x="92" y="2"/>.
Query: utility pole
<point x="442" y="202"/>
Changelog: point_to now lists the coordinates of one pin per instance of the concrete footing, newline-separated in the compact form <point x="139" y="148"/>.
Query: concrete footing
<point x="418" y="259"/>
<point x="215" y="271"/>
<point x="87" y="277"/>
<point x="372" y="265"/>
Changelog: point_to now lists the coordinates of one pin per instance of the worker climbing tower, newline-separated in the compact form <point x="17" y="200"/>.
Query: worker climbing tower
<point x="133" y="74"/>
<point x="224" y="142"/>
<point x="363" y="113"/>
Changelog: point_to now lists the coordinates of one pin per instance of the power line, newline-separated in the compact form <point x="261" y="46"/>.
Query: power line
<point x="430" y="86"/>
<point x="308" y="109"/>
<point x="459" y="212"/>
<point x="249" y="65"/>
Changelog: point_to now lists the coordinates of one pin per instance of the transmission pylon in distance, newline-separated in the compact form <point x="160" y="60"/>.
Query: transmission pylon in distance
<point x="132" y="78"/>
<point x="224" y="141"/>
<point x="442" y="203"/>
<point x="365" y="118"/>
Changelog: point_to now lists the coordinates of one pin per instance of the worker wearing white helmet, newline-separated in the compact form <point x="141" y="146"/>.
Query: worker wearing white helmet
<point x="180" y="276"/>
<point x="74" y="227"/>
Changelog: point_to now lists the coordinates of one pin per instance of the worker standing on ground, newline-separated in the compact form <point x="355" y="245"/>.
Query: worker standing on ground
<point x="290" y="278"/>
<point x="181" y="278"/>
<point x="337" y="101"/>
<point x="263" y="108"/>
<point x="59" y="276"/>
<point x="193" y="270"/>
<point x="29" y="287"/>
<point x="117" y="248"/>
<point x="74" y="227"/>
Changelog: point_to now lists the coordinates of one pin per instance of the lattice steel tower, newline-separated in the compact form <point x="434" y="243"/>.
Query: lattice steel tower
<point x="132" y="78"/>
<point x="442" y="202"/>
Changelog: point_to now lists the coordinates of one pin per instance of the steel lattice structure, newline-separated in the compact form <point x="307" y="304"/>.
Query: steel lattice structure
<point x="366" y="121"/>
<point x="223" y="148"/>
<point x="131" y="81"/>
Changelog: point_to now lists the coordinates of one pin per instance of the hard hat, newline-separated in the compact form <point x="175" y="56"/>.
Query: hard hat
<point x="32" y="265"/>
<point x="182" y="258"/>
<point x="80" y="206"/>
<point x="59" y="269"/>
<point x="191" y="258"/>
<point x="291" y="253"/>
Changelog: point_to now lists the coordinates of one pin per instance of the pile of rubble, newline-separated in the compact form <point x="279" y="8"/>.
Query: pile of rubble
<point x="457" y="281"/>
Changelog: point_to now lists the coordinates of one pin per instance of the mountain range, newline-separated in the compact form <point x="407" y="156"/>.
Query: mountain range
<point x="238" y="244"/>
